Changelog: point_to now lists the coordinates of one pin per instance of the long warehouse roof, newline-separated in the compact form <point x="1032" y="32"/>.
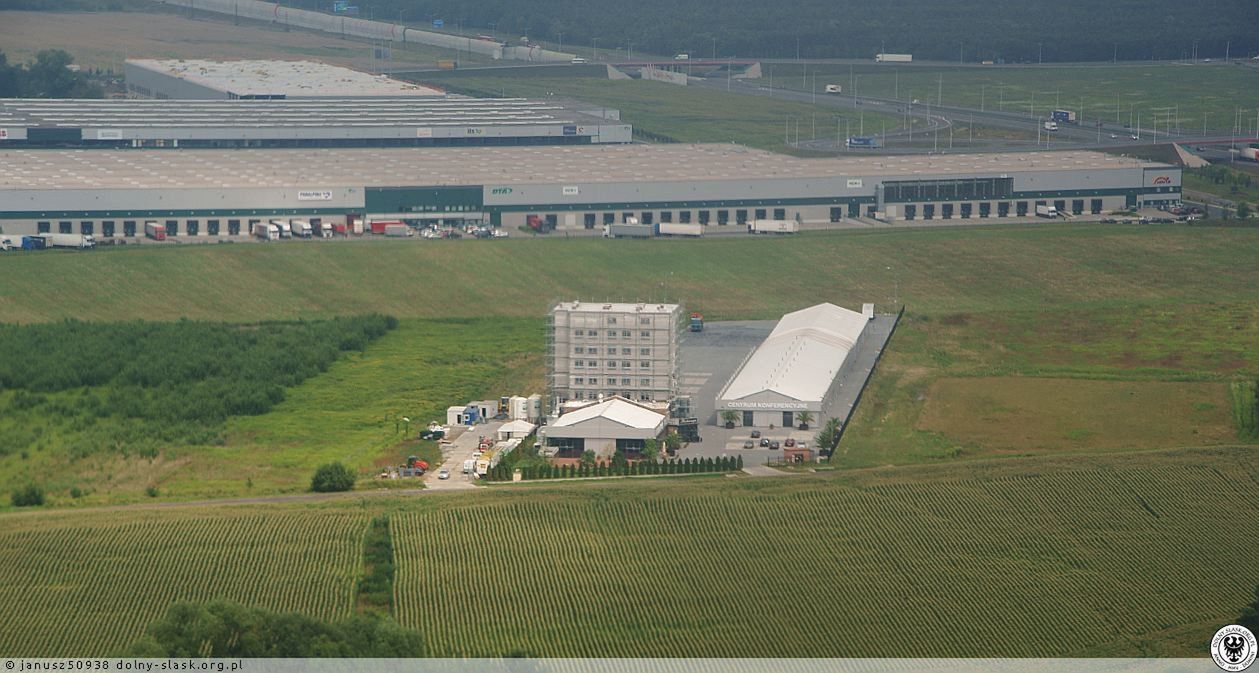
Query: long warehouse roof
<point x="289" y="78"/>
<point x="315" y="112"/>
<point x="801" y="357"/>
<point x="503" y="165"/>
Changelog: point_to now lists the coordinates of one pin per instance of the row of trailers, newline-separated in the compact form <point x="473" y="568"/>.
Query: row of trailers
<point x="633" y="228"/>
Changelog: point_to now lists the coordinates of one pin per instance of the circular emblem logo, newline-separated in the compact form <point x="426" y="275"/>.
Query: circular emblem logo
<point x="1233" y="648"/>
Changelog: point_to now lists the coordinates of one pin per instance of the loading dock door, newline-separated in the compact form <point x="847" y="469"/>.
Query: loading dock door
<point x="747" y="418"/>
<point x="1003" y="209"/>
<point x="911" y="211"/>
<point x="967" y="210"/>
<point x="854" y="210"/>
<point x="928" y="211"/>
<point x="985" y="210"/>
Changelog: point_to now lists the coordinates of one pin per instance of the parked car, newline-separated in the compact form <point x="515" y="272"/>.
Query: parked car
<point x="773" y="446"/>
<point x="756" y="434"/>
<point x="765" y="442"/>
<point x="749" y="444"/>
<point x="443" y="473"/>
<point x="789" y="442"/>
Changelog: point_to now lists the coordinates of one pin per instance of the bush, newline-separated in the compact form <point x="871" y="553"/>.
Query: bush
<point x="29" y="496"/>
<point x="224" y="629"/>
<point x="331" y="478"/>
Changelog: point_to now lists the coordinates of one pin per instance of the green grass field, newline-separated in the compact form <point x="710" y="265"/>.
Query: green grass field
<point x="666" y="112"/>
<point x="1074" y="304"/>
<point x="1210" y="92"/>
<point x="1127" y="555"/>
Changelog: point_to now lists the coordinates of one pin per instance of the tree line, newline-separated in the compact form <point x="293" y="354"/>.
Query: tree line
<point x="1017" y="30"/>
<point x="48" y="76"/>
<point x="618" y="468"/>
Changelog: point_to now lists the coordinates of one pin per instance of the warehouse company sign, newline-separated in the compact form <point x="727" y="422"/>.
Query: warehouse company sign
<point x="571" y="190"/>
<point x="315" y="195"/>
<point x="765" y="405"/>
<point x="854" y="183"/>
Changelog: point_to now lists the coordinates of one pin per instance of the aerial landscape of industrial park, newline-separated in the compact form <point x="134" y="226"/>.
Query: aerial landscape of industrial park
<point x="672" y="335"/>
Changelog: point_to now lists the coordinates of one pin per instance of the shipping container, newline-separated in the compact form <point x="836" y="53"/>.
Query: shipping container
<point x="631" y="228"/>
<point x="302" y="229"/>
<point x="378" y="226"/>
<point x="681" y="229"/>
<point x="397" y="230"/>
<point x="893" y="58"/>
<point x="773" y="227"/>
<point x="79" y="241"/>
<point x="286" y="231"/>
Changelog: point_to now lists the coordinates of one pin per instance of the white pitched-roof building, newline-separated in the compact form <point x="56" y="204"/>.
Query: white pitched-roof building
<point x="796" y="367"/>
<point x="605" y="426"/>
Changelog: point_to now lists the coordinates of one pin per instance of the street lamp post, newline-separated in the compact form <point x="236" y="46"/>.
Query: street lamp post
<point x="596" y="43"/>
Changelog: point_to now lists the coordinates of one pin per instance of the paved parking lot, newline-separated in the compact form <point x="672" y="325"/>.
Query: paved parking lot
<point x="709" y="358"/>
<point x="461" y="447"/>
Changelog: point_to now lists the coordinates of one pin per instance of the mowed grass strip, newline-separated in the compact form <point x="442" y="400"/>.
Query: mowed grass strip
<point x="89" y="583"/>
<point x="1017" y="414"/>
<point x="1023" y="558"/>
<point x="1028" y="267"/>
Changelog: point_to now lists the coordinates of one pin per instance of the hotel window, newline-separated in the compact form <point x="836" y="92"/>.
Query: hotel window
<point x="644" y="351"/>
<point x="644" y="382"/>
<point x="644" y="364"/>
<point x="645" y="334"/>
<point x="627" y="351"/>
<point x="625" y="333"/>
<point x="626" y="382"/>
<point x="579" y="381"/>
<point x="579" y="363"/>
<point x="625" y="364"/>
<point x="579" y="350"/>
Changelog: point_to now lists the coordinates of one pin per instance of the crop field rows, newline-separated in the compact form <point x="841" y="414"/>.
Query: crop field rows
<point x="1081" y="562"/>
<point x="78" y="585"/>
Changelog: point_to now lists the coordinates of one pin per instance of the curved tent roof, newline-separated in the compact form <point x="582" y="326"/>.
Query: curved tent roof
<point x="801" y="357"/>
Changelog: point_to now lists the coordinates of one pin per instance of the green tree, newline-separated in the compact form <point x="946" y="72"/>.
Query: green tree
<point x="1243" y="211"/>
<point x="804" y="418"/>
<point x="588" y="458"/>
<point x="651" y="448"/>
<point x="222" y="629"/>
<point x="729" y="417"/>
<point x="673" y="442"/>
<point x="738" y="462"/>
<point x="50" y="76"/>
<point x="30" y="495"/>
<point x="332" y="477"/>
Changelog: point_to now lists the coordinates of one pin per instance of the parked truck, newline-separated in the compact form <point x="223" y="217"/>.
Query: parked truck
<point x="630" y="228"/>
<point x="681" y="229"/>
<point x="155" y="231"/>
<point x="1065" y="116"/>
<point x="286" y="230"/>
<point x="266" y="231"/>
<point x="1046" y="211"/>
<point x="1250" y="152"/>
<point x="1051" y="125"/>
<point x="867" y="142"/>
<point x="78" y="241"/>
<point x="8" y="243"/>
<point x="397" y="230"/>
<point x="33" y="243"/>
<point x="773" y="227"/>
<point x="325" y="229"/>
<point x="697" y="322"/>
<point x="893" y="58"/>
<point x="301" y="229"/>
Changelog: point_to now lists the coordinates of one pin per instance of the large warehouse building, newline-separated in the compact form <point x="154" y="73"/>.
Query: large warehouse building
<point x="320" y="122"/>
<point x="196" y="79"/>
<point x="571" y="187"/>
<point x="796" y="368"/>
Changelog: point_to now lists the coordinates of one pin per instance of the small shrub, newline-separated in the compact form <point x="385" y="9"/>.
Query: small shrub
<point x="28" y="496"/>
<point x="331" y="478"/>
<point x="76" y="492"/>
<point x="150" y="491"/>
